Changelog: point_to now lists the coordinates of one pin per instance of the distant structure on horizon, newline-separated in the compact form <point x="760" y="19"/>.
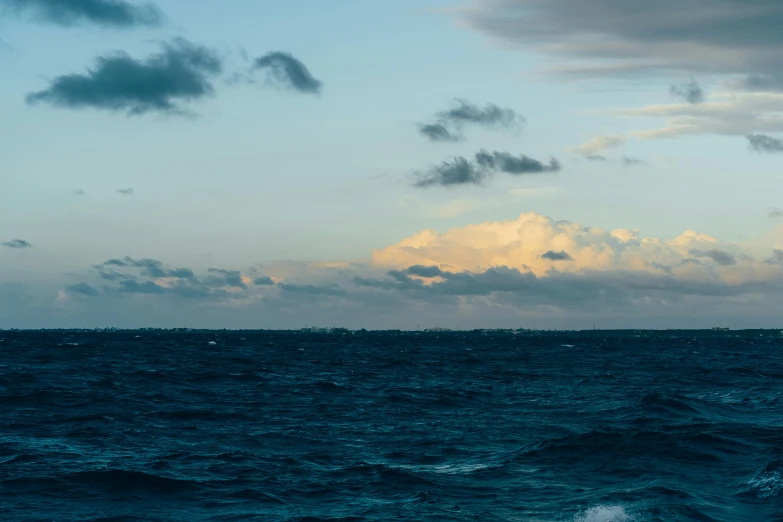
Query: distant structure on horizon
<point x="437" y="329"/>
<point x="720" y="329"/>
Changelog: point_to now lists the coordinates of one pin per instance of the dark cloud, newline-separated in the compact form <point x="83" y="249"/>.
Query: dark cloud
<point x="135" y="287"/>
<point x="764" y="143"/>
<point x="690" y="91"/>
<point x="424" y="271"/>
<point x="327" y="290"/>
<point x="630" y="160"/>
<point x="505" y="162"/>
<point x="448" y="124"/>
<point x="220" y="277"/>
<point x="79" y="192"/>
<point x="125" y="191"/>
<point x="263" y="281"/>
<point x="120" y="83"/>
<point x="557" y="256"/>
<point x="777" y="257"/>
<point x="596" y="157"/>
<point x="732" y="37"/>
<point x="460" y="171"/>
<point x="438" y="132"/>
<point x="456" y="171"/>
<point x="775" y="213"/>
<point x="289" y="72"/>
<point x="107" y="13"/>
<point x="82" y="289"/>
<point x="149" y="268"/>
<point x="720" y="257"/>
<point x="17" y="243"/>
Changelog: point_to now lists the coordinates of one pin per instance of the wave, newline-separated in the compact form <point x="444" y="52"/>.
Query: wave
<point x="604" y="514"/>
<point x="136" y="481"/>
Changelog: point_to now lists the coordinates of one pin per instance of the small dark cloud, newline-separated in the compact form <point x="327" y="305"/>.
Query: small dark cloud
<point x="17" y="243"/>
<point x="438" y="132"/>
<point x="720" y="257"/>
<point x="263" y="281"/>
<point x="220" y="277"/>
<point x="630" y="160"/>
<point x="764" y="143"/>
<point x="761" y="83"/>
<point x="149" y="268"/>
<point x="424" y="271"/>
<point x="125" y="191"/>
<point x="132" y="286"/>
<point x="120" y="83"/>
<point x="82" y="289"/>
<point x="107" y="13"/>
<point x="505" y="162"/>
<point x="690" y="92"/>
<point x="596" y="157"/>
<point x="775" y="213"/>
<point x="79" y="192"/>
<point x="557" y="256"/>
<point x="460" y="171"/>
<point x="456" y="171"/>
<point x="777" y="257"/>
<point x="449" y="124"/>
<point x="289" y="72"/>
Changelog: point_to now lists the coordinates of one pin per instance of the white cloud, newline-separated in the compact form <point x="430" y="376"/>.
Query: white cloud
<point x="598" y="144"/>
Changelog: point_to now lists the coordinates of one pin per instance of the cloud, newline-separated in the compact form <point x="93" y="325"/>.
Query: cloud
<point x="528" y="270"/>
<point x="448" y="124"/>
<point x="556" y="256"/>
<point x="630" y="160"/>
<point x="119" y="83"/>
<point x="288" y="71"/>
<point x="775" y="213"/>
<point x="82" y="289"/>
<point x="79" y="192"/>
<point x="729" y="37"/>
<point x="107" y="13"/>
<point x="125" y="191"/>
<point x="438" y="132"/>
<point x="690" y="92"/>
<point x="460" y="171"/>
<point x="17" y="243"/>
<point x="596" y="157"/>
<point x="719" y="256"/>
<point x="763" y="143"/>
<point x="597" y="144"/>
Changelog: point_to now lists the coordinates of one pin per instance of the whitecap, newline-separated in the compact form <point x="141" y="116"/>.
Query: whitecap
<point x="212" y="343"/>
<point x="604" y="514"/>
<point x="767" y="484"/>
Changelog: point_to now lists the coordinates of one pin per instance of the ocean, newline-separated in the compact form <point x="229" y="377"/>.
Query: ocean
<point x="453" y="426"/>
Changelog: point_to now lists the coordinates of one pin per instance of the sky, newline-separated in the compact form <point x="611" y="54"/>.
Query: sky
<point x="417" y="163"/>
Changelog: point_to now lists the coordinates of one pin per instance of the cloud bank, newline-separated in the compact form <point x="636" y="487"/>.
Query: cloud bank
<point x="182" y="71"/>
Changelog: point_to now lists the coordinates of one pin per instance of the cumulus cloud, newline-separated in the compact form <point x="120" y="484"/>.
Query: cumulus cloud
<point x="690" y="92"/>
<point x="17" y="243"/>
<point x="530" y="267"/>
<point x="289" y="72"/>
<point x="107" y="13"/>
<point x="180" y="72"/>
<point x="460" y="171"/>
<point x="448" y="124"/>
<point x="763" y="143"/>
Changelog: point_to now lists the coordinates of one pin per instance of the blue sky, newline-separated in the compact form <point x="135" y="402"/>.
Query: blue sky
<point x="261" y="175"/>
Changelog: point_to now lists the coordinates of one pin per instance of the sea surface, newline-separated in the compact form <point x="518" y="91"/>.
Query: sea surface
<point x="243" y="426"/>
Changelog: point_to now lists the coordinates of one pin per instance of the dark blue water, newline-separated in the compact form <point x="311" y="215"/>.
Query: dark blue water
<point x="598" y="427"/>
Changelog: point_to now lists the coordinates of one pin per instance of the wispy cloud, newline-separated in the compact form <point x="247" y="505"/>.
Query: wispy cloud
<point x="17" y="243"/>
<point x="125" y="191"/>
<point x="764" y="143"/>
<point x="596" y="144"/>
<point x="448" y="124"/>
<point x="690" y="91"/>
<point x="107" y="13"/>
<point x="460" y="171"/>
<point x="120" y="83"/>
<point x="289" y="72"/>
